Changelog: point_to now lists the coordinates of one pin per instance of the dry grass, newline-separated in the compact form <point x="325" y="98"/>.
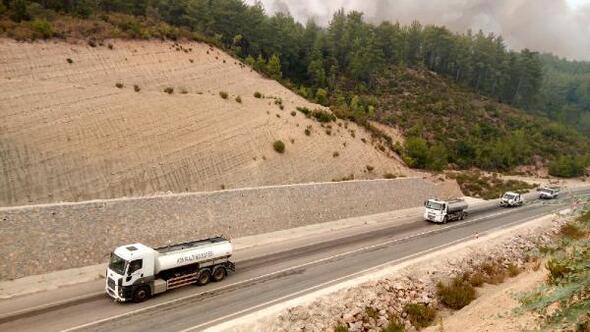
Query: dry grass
<point x="455" y="294"/>
<point x="572" y="231"/>
<point x="513" y="270"/>
<point x="420" y="315"/>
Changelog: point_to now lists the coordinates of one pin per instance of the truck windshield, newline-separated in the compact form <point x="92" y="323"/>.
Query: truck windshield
<point x="509" y="196"/>
<point x="117" y="264"/>
<point x="434" y="205"/>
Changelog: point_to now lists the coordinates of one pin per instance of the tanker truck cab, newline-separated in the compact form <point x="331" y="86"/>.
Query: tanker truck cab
<point x="136" y="272"/>
<point x="131" y="267"/>
<point x="434" y="210"/>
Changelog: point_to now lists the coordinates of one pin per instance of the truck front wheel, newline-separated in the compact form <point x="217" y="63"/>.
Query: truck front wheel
<point x="218" y="273"/>
<point x="141" y="294"/>
<point x="204" y="277"/>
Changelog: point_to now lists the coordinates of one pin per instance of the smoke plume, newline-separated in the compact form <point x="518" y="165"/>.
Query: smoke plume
<point x="541" y="25"/>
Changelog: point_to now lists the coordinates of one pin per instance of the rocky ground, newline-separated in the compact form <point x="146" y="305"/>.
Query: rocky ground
<point x="416" y="283"/>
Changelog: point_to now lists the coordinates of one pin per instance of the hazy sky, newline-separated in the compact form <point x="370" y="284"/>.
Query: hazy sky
<point x="558" y="26"/>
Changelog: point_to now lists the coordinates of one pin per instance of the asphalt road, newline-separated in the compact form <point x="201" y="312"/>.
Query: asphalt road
<point x="262" y="281"/>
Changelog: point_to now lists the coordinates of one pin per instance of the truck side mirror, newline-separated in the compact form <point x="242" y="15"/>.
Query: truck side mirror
<point x="425" y="203"/>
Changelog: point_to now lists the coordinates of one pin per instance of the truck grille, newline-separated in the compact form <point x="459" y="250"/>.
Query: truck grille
<point x="111" y="283"/>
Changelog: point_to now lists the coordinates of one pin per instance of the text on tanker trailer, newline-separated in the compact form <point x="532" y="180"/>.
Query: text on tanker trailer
<point x="136" y="272"/>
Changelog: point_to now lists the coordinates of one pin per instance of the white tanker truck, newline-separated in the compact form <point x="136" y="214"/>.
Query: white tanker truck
<point x="136" y="272"/>
<point x="439" y="211"/>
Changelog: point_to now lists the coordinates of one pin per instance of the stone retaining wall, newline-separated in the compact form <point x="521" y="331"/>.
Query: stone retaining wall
<point x="43" y="238"/>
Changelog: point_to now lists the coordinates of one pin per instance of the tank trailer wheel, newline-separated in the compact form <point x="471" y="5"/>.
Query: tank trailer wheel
<point x="218" y="273"/>
<point x="445" y="220"/>
<point x="141" y="294"/>
<point x="204" y="277"/>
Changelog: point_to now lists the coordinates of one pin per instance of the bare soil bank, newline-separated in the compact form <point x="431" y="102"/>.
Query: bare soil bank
<point x="82" y="122"/>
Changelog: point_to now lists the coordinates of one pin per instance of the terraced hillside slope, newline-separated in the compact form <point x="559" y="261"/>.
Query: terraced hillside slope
<point x="82" y="122"/>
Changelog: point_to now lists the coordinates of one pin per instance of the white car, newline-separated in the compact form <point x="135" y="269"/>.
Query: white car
<point x="548" y="193"/>
<point x="510" y="199"/>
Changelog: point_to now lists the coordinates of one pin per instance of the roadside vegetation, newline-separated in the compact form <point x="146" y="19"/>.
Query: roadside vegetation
<point x="461" y="100"/>
<point x="564" y="300"/>
<point x="279" y="146"/>
<point x="478" y="184"/>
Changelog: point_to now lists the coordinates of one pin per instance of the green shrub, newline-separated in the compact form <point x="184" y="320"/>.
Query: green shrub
<point x="323" y="116"/>
<point x="456" y="294"/>
<point x="336" y="154"/>
<point x="293" y="113"/>
<point x="239" y="99"/>
<point x="558" y="269"/>
<point x="321" y="96"/>
<point x="119" y="85"/>
<point x="477" y="184"/>
<point x="70" y="61"/>
<point x="223" y="94"/>
<point x="257" y="95"/>
<point x="304" y="110"/>
<point x="169" y="90"/>
<point x="43" y="28"/>
<point x="584" y="217"/>
<point x="307" y="132"/>
<point x="420" y="315"/>
<point x="394" y="324"/>
<point x="136" y="88"/>
<point x="279" y="146"/>
<point x="567" y="167"/>
<point x="389" y="176"/>
<point x="341" y="328"/>
<point x="370" y="168"/>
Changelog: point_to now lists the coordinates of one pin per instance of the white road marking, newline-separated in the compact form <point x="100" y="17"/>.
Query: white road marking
<point x="159" y="305"/>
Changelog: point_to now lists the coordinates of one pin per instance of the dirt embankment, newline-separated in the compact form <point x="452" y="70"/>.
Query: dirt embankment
<point x="82" y="122"/>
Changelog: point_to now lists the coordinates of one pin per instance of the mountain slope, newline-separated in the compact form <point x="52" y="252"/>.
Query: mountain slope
<point x="446" y="123"/>
<point x="74" y="128"/>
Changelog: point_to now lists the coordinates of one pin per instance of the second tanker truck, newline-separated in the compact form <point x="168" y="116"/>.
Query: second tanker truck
<point x="137" y="272"/>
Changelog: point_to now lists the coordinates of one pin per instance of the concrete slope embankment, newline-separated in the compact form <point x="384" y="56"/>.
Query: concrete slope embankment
<point x="43" y="238"/>
<point x="74" y="128"/>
